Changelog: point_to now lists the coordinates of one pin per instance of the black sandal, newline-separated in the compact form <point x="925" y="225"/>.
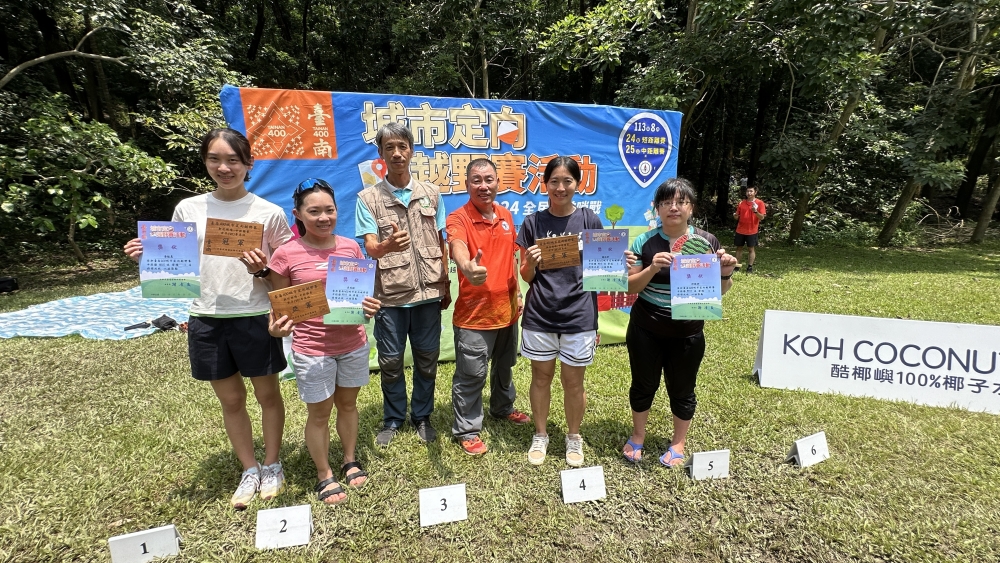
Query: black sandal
<point x="323" y="494"/>
<point x="359" y="474"/>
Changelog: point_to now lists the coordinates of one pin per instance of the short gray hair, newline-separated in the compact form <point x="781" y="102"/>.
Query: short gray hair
<point x="393" y="130"/>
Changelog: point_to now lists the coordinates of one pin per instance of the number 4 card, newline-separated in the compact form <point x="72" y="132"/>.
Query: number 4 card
<point x="586" y="483"/>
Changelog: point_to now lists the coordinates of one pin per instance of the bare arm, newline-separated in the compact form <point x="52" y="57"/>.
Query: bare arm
<point x="529" y="262"/>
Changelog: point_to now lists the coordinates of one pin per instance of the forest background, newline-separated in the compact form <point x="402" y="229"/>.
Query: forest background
<point x="860" y="122"/>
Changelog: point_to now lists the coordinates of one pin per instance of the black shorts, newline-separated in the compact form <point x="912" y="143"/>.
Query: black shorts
<point x="747" y="240"/>
<point x="221" y="347"/>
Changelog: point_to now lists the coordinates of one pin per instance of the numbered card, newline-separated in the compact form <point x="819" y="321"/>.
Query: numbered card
<point x="604" y="266"/>
<point x="559" y="252"/>
<point x="443" y="504"/>
<point x="145" y="545"/>
<point x="709" y="465"/>
<point x="586" y="483"/>
<point x="284" y="527"/>
<point x="348" y="282"/>
<point x="232" y="238"/>
<point x="170" y="264"/>
<point x="300" y="302"/>
<point x="809" y="450"/>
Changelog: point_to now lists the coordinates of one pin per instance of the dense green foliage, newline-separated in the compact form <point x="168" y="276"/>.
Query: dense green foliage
<point x="852" y="117"/>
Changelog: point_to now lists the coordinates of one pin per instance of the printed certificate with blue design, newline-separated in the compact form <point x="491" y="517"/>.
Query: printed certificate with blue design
<point x="170" y="265"/>
<point x="604" y="265"/>
<point x="696" y="287"/>
<point x="348" y="282"/>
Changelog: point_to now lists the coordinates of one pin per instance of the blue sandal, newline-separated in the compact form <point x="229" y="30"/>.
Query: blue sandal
<point x="636" y="455"/>
<point x="667" y="461"/>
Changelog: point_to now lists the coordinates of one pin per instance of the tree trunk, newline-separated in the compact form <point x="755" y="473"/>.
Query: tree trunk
<point x="51" y="44"/>
<point x="258" y="32"/>
<point x="282" y="18"/>
<point x="70" y="236"/>
<point x="486" y="66"/>
<point x="896" y="217"/>
<point x="692" y="25"/>
<point x="707" y="148"/>
<point x="795" y="230"/>
<point x="764" y="98"/>
<point x="974" y="166"/>
<point x="989" y="206"/>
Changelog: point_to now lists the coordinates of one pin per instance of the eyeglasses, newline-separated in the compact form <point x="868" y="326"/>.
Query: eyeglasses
<point x="674" y="203"/>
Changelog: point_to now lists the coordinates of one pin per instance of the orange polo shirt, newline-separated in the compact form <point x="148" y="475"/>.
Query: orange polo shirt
<point x="494" y="304"/>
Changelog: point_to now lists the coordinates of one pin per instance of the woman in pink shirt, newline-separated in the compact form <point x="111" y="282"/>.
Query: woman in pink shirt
<point x="330" y="361"/>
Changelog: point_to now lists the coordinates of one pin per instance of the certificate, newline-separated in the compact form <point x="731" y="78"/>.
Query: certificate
<point x="232" y="238"/>
<point x="170" y="266"/>
<point x="559" y="252"/>
<point x="348" y="282"/>
<point x="696" y="287"/>
<point x="300" y="302"/>
<point x="604" y="265"/>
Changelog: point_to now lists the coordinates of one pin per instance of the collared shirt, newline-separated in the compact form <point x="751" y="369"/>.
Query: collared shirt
<point x="493" y="304"/>
<point x="364" y="223"/>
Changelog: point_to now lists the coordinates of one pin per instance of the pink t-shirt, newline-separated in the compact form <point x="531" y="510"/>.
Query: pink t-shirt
<point x="300" y="264"/>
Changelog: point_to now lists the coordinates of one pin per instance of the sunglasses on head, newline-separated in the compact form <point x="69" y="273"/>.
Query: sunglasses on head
<point x="312" y="183"/>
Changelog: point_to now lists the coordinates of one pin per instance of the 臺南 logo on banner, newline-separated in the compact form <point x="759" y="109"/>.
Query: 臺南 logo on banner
<point x="644" y="145"/>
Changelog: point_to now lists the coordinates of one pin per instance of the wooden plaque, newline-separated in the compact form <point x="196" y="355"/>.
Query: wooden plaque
<point x="300" y="302"/>
<point x="559" y="252"/>
<point x="231" y="238"/>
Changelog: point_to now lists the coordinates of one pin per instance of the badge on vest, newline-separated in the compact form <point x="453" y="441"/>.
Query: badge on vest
<point x="504" y="224"/>
<point x="424" y="202"/>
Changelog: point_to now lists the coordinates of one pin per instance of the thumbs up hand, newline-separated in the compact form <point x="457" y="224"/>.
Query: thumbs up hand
<point x="474" y="271"/>
<point x="398" y="241"/>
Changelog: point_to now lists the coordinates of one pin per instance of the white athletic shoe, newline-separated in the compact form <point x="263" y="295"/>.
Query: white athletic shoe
<point x="272" y="481"/>
<point x="249" y="483"/>
<point x="574" y="450"/>
<point x="536" y="454"/>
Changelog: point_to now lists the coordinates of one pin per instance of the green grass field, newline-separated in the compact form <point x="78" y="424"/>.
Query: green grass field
<point x="105" y="438"/>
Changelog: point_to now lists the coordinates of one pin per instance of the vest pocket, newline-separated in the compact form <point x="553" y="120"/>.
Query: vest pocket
<point x="395" y="273"/>
<point x="431" y="264"/>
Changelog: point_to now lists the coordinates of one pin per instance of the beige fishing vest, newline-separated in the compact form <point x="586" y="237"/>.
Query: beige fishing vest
<point x="417" y="273"/>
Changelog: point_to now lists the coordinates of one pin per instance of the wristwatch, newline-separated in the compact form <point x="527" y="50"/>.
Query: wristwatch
<point x="727" y="277"/>
<point x="263" y="273"/>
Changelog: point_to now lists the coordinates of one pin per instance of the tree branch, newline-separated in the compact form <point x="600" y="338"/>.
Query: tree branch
<point x="76" y="52"/>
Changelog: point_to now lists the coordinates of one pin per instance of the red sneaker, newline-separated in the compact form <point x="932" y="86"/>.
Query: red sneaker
<point x="518" y="417"/>
<point x="474" y="446"/>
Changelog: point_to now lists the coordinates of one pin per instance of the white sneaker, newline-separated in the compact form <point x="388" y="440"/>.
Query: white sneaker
<point x="536" y="453"/>
<point x="574" y="450"/>
<point x="272" y="481"/>
<point x="249" y="483"/>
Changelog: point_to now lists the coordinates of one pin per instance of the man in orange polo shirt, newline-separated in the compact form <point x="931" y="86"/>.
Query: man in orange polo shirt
<point x="481" y="236"/>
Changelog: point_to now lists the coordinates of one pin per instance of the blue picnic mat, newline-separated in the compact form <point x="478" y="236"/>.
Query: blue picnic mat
<point x="102" y="316"/>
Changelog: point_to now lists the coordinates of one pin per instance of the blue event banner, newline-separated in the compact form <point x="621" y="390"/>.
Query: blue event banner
<point x="696" y="287"/>
<point x="170" y="262"/>
<point x="623" y="153"/>
<point x="348" y="282"/>
<point x="604" y="264"/>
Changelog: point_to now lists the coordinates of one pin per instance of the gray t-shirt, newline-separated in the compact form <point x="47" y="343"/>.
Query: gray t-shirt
<point x="556" y="302"/>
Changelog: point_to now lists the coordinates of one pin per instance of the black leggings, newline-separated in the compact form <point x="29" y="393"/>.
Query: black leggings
<point x="677" y="358"/>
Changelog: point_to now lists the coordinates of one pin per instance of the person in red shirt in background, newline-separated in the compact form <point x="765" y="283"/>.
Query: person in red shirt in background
<point x="748" y="215"/>
<point x="481" y="236"/>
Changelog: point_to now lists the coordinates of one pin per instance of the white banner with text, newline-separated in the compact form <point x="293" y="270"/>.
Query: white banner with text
<point x="922" y="362"/>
